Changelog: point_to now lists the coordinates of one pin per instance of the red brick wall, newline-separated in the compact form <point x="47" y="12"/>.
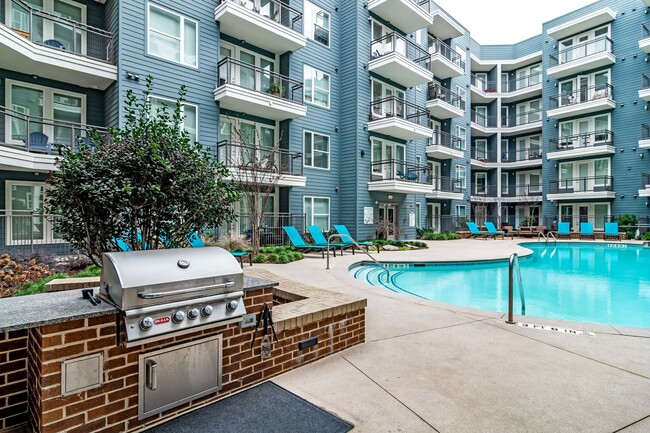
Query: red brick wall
<point x="13" y="379"/>
<point x="113" y="407"/>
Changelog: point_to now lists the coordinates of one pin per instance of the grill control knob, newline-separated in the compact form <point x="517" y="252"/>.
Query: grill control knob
<point x="207" y="310"/>
<point x="193" y="313"/>
<point x="232" y="305"/>
<point x="146" y="323"/>
<point x="178" y="317"/>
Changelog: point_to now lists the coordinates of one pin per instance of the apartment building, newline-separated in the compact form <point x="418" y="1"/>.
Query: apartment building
<point x="385" y="115"/>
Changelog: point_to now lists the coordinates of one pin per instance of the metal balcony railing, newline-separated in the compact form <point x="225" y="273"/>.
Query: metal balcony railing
<point x="645" y="30"/>
<point x="266" y="160"/>
<point x="436" y="46"/>
<point x="242" y="74"/>
<point x="568" y="55"/>
<point x="587" y="139"/>
<point x="483" y="190"/>
<point x="485" y="121"/>
<point x="393" y="106"/>
<point x="645" y="81"/>
<point x="483" y="155"/>
<point x="574" y="221"/>
<point x="582" y="184"/>
<point x="524" y="190"/>
<point x="392" y="169"/>
<point x="53" y="31"/>
<point x="532" y="153"/>
<point x="483" y="85"/>
<point x="645" y="131"/>
<point x="446" y="184"/>
<point x="42" y="135"/>
<point x="445" y="139"/>
<point x="518" y="119"/>
<point x="274" y="10"/>
<point x="645" y="180"/>
<point x="437" y="92"/>
<point x="396" y="43"/>
<point x="580" y="96"/>
<point x="270" y="232"/>
<point x="519" y="83"/>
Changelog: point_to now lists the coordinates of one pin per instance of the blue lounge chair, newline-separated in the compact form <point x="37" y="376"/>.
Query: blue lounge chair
<point x="563" y="229"/>
<point x="39" y="142"/>
<point x="611" y="231"/>
<point x="492" y="230"/>
<point x="319" y="239"/>
<point x="195" y="240"/>
<point x="408" y="176"/>
<point x="474" y="232"/>
<point x="343" y="230"/>
<point x="300" y="244"/>
<point x="587" y="230"/>
<point x="123" y="246"/>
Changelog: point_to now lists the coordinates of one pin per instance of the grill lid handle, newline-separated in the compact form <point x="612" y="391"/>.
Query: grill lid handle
<point x="153" y="295"/>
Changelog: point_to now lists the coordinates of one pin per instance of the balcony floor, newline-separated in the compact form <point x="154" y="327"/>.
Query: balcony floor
<point x="243" y="100"/>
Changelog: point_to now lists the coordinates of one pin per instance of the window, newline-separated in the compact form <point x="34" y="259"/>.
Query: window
<point x="317" y="150"/>
<point x="529" y="112"/>
<point x="584" y="44"/>
<point x="388" y="158"/>
<point x="585" y="131"/>
<point x="461" y="175"/>
<point x="317" y="24"/>
<point x="317" y="87"/>
<point x="461" y="133"/>
<point x="461" y="211"/>
<point x="190" y="119"/>
<point x="172" y="36"/>
<point x="504" y="183"/>
<point x="418" y="223"/>
<point x="317" y="212"/>
<point x="26" y="222"/>
<point x="585" y="88"/>
<point x="65" y="111"/>
<point x="382" y="106"/>
<point x="528" y="76"/>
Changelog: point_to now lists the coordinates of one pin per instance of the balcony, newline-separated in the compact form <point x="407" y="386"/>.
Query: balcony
<point x="590" y="55"/>
<point x="255" y="165"/>
<point x="406" y="15"/>
<point x="582" y="102"/>
<point x="483" y="159"/>
<point x="56" y="48"/>
<point x="442" y="103"/>
<point x="520" y="88"/>
<point x="483" y="92"/>
<point x="245" y="88"/>
<point x="523" y="193"/>
<point x="644" y="142"/>
<point x="522" y="122"/>
<point x="271" y="24"/>
<point x="644" y="42"/>
<point x="395" y="117"/>
<point x="582" y="145"/>
<point x="644" y="92"/>
<point x="645" y="185"/>
<point x="399" y="177"/>
<point x="483" y="125"/>
<point x="445" y="188"/>
<point x="30" y="143"/>
<point x="592" y="187"/>
<point x="445" y="62"/>
<point x="482" y="193"/>
<point x="395" y="57"/>
<point x="522" y="158"/>
<point x="582" y="23"/>
<point x="445" y="146"/>
<point x="443" y="27"/>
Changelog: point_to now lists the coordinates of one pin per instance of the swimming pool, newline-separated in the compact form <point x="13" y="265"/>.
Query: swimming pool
<point x="599" y="283"/>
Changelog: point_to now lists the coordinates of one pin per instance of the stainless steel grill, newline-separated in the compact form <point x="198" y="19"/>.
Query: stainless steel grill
<point x="163" y="292"/>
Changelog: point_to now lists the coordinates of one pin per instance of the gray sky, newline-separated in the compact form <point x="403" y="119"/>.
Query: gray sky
<point x="506" y="21"/>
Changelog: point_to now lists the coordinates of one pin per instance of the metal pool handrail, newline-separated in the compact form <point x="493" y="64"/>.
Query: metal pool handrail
<point x="546" y="237"/>
<point x="514" y="263"/>
<point x="341" y="236"/>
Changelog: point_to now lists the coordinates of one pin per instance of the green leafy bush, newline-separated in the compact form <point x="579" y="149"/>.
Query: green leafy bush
<point x="443" y="236"/>
<point x="260" y="258"/>
<point x="627" y="223"/>
<point x="645" y="236"/>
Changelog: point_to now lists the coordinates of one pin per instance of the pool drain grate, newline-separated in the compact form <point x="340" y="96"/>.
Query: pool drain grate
<point x="555" y="329"/>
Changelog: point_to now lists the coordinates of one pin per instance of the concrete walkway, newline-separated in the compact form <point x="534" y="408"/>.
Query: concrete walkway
<point x="432" y="367"/>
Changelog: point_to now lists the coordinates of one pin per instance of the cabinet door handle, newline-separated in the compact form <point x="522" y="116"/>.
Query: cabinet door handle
<point x="151" y="379"/>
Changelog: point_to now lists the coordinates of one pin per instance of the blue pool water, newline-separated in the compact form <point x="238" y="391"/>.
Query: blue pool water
<point x="598" y="283"/>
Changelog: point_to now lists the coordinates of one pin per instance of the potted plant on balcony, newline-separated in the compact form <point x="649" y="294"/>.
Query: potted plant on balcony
<point x="275" y="89"/>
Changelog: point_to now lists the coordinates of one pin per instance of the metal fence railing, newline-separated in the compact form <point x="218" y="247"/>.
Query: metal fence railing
<point x="446" y="184"/>
<point x="645" y="180"/>
<point x="396" y="43"/>
<point x="270" y="232"/>
<point x="518" y="119"/>
<point x="446" y="223"/>
<point x="486" y="121"/>
<point x="56" y="32"/>
<point x="483" y="190"/>
<point x="572" y="54"/>
<point x="483" y="155"/>
<point x="587" y="139"/>
<point x="483" y="85"/>
<point x="24" y="232"/>
<point x="581" y="96"/>
<point x="520" y="83"/>
<point x="266" y="160"/>
<point x="274" y="10"/>
<point x="437" y="92"/>
<point x="242" y="74"/>
<point x="582" y="184"/>
<point x="522" y="190"/>
<point x="645" y="131"/>
<point x="393" y="169"/>
<point x="440" y="138"/>
<point x="530" y="154"/>
<point x="393" y="106"/>
<point x="645" y="30"/>
<point x="437" y="46"/>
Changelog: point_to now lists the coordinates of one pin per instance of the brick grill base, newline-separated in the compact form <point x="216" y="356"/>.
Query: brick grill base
<point x="113" y="407"/>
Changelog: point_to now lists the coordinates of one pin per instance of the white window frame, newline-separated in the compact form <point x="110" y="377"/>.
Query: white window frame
<point x="310" y="218"/>
<point x="525" y="74"/>
<point x="575" y="41"/>
<point x="313" y="72"/>
<point x="399" y="110"/>
<point x="182" y="19"/>
<point x="524" y="145"/>
<point x="575" y="83"/>
<point x="48" y="106"/>
<point x="418" y="217"/>
<point x="463" y="179"/>
<point x="464" y="211"/>
<point x="311" y="13"/>
<point x="171" y="104"/>
<point x="313" y="151"/>
<point x="505" y="182"/>
<point x="523" y="112"/>
<point x="527" y="180"/>
<point x="462" y="144"/>
<point x="575" y="125"/>
<point x="575" y="213"/>
<point x="48" y="231"/>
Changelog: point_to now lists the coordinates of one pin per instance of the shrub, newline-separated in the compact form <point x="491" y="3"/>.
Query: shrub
<point x="443" y="236"/>
<point x="645" y="236"/>
<point x="233" y="242"/>
<point x="627" y="223"/>
<point x="260" y="258"/>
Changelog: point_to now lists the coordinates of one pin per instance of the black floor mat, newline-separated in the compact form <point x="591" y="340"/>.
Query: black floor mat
<point x="265" y="408"/>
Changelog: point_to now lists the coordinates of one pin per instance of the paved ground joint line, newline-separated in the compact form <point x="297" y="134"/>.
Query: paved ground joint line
<point x="427" y="330"/>
<point x="631" y="424"/>
<point x="389" y="393"/>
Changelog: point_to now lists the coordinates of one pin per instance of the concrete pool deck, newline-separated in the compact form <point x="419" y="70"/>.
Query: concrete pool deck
<point x="433" y="367"/>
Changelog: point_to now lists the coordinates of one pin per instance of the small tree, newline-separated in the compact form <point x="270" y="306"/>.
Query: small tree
<point x="145" y="182"/>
